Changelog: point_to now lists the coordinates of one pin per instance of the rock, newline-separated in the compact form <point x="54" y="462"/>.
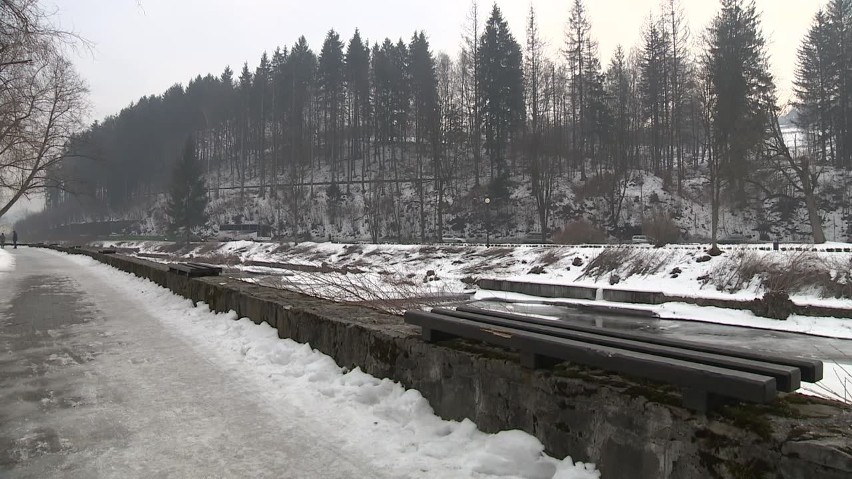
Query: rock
<point x="578" y="261"/>
<point x="829" y="452"/>
<point x="774" y="304"/>
<point x="614" y="279"/>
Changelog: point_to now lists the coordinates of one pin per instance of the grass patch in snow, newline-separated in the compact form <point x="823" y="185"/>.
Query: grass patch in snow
<point x="626" y="262"/>
<point x="798" y="272"/>
<point x="389" y="292"/>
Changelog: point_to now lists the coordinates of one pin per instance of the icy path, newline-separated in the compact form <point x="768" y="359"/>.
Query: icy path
<point x="106" y="375"/>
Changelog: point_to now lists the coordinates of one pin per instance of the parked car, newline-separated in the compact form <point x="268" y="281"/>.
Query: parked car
<point x="640" y="239"/>
<point x="453" y="239"/>
<point x="735" y="239"/>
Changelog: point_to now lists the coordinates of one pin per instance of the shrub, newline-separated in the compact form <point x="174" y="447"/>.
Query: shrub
<point x="793" y="273"/>
<point x="549" y="257"/>
<point x="774" y="304"/>
<point x="579" y="232"/>
<point x="660" y="226"/>
<point x="536" y="270"/>
<point x="626" y="262"/>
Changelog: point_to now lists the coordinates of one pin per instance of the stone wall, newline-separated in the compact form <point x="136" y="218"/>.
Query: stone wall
<point x="629" y="428"/>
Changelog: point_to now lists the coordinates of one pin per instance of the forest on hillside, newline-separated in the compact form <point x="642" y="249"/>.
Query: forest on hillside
<point x="394" y="140"/>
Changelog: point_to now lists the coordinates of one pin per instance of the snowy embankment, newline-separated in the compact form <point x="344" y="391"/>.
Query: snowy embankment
<point x="741" y="273"/>
<point x="392" y="427"/>
<point x="647" y="269"/>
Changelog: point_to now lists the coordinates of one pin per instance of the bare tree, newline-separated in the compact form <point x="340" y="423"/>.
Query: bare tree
<point x="41" y="100"/>
<point x="798" y="171"/>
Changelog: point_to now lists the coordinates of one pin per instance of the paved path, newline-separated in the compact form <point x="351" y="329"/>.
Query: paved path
<point x="90" y="388"/>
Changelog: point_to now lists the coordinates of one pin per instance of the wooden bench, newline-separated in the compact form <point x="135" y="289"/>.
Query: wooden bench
<point x="194" y="270"/>
<point x="811" y="369"/>
<point x="709" y="377"/>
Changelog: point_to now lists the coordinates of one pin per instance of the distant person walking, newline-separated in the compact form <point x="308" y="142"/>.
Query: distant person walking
<point x="3" y="240"/>
<point x="15" y="239"/>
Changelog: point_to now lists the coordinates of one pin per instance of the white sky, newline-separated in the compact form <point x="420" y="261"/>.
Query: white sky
<point x="144" y="46"/>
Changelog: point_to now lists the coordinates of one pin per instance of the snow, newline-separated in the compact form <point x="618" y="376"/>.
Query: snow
<point x="7" y="261"/>
<point x="836" y="383"/>
<point x="391" y="265"/>
<point x="393" y="428"/>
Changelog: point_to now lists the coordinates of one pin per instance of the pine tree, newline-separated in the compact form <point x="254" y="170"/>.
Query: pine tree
<point x="583" y="71"/>
<point x="330" y="78"/>
<point x="742" y="85"/>
<point x="742" y="92"/>
<point x="424" y="95"/>
<point x="653" y="87"/>
<point x="813" y="88"/>
<point x="188" y="193"/>
<point x="839" y="13"/>
<point x="357" y="68"/>
<point x="501" y="84"/>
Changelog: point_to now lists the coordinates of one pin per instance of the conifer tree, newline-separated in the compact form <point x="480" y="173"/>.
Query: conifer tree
<point x="501" y="88"/>
<point x="330" y="78"/>
<point x="742" y="92"/>
<point x="813" y="88"/>
<point x="187" y="200"/>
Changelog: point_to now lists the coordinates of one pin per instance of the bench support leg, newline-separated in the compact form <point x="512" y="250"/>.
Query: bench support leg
<point x="701" y="401"/>
<point x="536" y="361"/>
<point x="431" y="335"/>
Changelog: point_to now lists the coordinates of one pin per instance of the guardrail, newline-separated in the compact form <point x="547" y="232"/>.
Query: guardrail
<point x="709" y="375"/>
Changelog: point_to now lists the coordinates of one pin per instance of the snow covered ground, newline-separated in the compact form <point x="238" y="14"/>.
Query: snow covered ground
<point x="393" y="428"/>
<point x="7" y="261"/>
<point x="387" y="266"/>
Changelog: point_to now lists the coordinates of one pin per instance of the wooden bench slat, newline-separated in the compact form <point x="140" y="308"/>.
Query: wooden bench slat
<point x="195" y="269"/>
<point x="811" y="369"/>
<point x="701" y="377"/>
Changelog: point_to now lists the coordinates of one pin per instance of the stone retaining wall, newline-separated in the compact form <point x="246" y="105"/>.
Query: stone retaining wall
<point x="630" y="429"/>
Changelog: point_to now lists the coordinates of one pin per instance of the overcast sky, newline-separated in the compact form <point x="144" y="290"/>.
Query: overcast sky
<point x="143" y="47"/>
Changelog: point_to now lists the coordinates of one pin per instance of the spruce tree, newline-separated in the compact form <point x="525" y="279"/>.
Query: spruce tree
<point x="501" y="89"/>
<point x="330" y="78"/>
<point x="424" y="95"/>
<point x="839" y="13"/>
<point x="742" y="95"/>
<point x="814" y="98"/>
<point x="742" y="87"/>
<point x="653" y="84"/>
<point x="187" y="196"/>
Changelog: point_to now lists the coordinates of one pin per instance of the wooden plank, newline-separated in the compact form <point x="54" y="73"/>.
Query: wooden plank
<point x="728" y="382"/>
<point x="195" y="269"/>
<point x="811" y="369"/>
<point x="788" y="378"/>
